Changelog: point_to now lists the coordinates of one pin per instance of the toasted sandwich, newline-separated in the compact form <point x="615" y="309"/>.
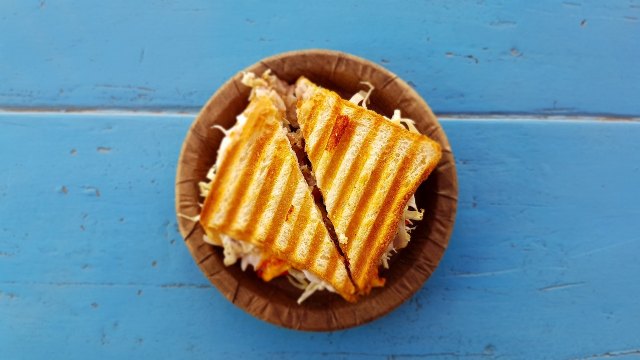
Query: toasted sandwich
<point x="260" y="208"/>
<point x="367" y="168"/>
<point x="310" y="185"/>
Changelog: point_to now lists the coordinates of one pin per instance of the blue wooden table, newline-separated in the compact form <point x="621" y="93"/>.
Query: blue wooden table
<point x="540" y="101"/>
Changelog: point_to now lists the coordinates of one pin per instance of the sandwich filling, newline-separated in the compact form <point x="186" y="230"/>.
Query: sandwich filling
<point x="268" y="267"/>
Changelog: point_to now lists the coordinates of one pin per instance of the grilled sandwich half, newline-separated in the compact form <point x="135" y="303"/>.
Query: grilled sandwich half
<point x="259" y="195"/>
<point x="367" y="169"/>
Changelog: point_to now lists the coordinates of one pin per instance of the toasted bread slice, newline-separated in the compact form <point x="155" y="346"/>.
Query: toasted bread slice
<point x="260" y="196"/>
<point x="367" y="168"/>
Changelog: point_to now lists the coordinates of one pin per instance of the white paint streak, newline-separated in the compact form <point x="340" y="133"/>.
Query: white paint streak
<point x="610" y="354"/>
<point x="483" y="274"/>
<point x="562" y="286"/>
<point x="601" y="249"/>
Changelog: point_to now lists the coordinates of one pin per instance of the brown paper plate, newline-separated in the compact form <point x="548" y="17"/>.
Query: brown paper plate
<point x="275" y="301"/>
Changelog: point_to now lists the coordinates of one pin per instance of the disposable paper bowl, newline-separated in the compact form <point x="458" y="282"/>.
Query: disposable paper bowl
<point x="275" y="301"/>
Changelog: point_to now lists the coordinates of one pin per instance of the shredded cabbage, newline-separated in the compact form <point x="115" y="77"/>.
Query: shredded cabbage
<point x="405" y="226"/>
<point x="297" y="279"/>
<point x="308" y="282"/>
<point x="208" y="240"/>
<point x="362" y="97"/>
<point x="413" y="214"/>
<point x="212" y="172"/>
<point x="270" y="86"/>
<point x="408" y="123"/>
<point x="387" y="255"/>
<point x="194" y="218"/>
<point x="235" y="250"/>
<point x="249" y="79"/>
<point x="249" y="254"/>
<point x="224" y="131"/>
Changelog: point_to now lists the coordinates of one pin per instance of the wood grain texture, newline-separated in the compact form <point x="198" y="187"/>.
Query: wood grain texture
<point x="543" y="262"/>
<point x="549" y="57"/>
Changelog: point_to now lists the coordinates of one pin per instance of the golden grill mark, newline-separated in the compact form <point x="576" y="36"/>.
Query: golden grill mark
<point x="301" y="222"/>
<point x="269" y="182"/>
<point x="283" y="205"/>
<point x="230" y="161"/>
<point x="366" y="197"/>
<point x="337" y="132"/>
<point x="317" y="238"/>
<point x="311" y="117"/>
<point x="388" y="207"/>
<point x="314" y="152"/>
<point x="246" y="178"/>
<point x="352" y="174"/>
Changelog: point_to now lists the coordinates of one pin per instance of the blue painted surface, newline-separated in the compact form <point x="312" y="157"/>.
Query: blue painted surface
<point x="548" y="56"/>
<point x="543" y="263"/>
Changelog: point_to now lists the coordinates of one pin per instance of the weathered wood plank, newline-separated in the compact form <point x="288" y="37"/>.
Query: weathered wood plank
<point x="550" y="57"/>
<point x="543" y="262"/>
